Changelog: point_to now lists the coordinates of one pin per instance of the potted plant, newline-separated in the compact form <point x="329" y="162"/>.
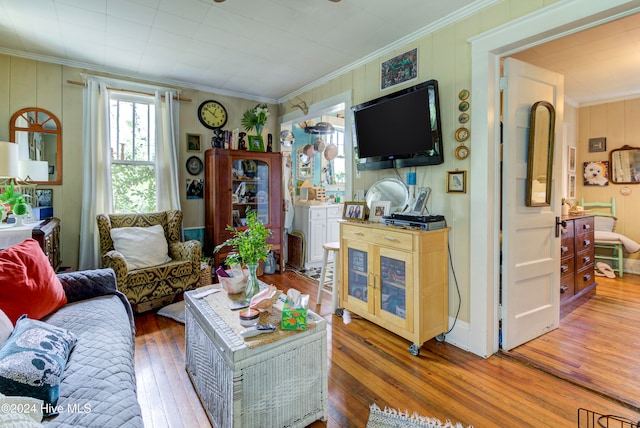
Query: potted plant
<point x="249" y="247"/>
<point x="255" y="118"/>
<point x="14" y="201"/>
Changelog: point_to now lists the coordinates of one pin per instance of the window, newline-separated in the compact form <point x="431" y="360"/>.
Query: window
<point x="133" y="153"/>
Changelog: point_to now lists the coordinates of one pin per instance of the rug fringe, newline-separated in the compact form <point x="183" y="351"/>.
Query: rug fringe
<point x="414" y="417"/>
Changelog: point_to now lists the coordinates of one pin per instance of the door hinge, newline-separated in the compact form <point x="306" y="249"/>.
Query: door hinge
<point x="502" y="83"/>
<point x="500" y="314"/>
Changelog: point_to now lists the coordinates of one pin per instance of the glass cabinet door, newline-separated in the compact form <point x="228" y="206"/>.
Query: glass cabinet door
<point x="250" y="190"/>
<point x="357" y="268"/>
<point x="393" y="286"/>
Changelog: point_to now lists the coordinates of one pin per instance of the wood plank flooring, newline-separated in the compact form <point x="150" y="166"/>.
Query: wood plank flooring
<point x="368" y="364"/>
<point x="598" y="344"/>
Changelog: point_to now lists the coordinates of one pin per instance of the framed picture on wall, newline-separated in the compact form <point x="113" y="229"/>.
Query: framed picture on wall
<point x="571" y="184"/>
<point x="44" y="197"/>
<point x="596" y="173"/>
<point x="456" y="181"/>
<point x="194" y="142"/>
<point x="572" y="159"/>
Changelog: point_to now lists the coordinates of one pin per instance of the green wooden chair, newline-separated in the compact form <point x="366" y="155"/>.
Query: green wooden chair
<point x="612" y="251"/>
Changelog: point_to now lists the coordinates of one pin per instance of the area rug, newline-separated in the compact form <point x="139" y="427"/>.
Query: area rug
<point x="396" y="418"/>
<point x="175" y="311"/>
<point x="314" y="273"/>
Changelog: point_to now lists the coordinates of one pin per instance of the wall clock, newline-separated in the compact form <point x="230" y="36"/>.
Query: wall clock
<point x="462" y="134"/>
<point x="462" y="152"/>
<point x="194" y="165"/>
<point x="212" y="114"/>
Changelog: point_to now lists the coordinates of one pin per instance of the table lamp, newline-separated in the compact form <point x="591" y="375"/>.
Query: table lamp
<point x="8" y="160"/>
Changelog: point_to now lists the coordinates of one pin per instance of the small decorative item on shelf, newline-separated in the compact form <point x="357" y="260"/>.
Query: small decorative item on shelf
<point x="255" y="118"/>
<point x="205" y="272"/>
<point x="249" y="246"/>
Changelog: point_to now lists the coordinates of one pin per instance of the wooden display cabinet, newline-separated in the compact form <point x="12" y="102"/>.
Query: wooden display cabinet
<point x="396" y="278"/>
<point x="237" y="181"/>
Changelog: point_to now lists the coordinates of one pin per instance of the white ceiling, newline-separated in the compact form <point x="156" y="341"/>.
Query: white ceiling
<point x="261" y="49"/>
<point x="270" y="49"/>
<point x="600" y="64"/>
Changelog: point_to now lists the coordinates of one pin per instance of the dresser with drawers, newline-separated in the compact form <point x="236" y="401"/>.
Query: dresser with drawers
<point x="577" y="277"/>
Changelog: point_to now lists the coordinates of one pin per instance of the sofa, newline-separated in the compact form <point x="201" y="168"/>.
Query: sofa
<point x="97" y="385"/>
<point x="148" y="279"/>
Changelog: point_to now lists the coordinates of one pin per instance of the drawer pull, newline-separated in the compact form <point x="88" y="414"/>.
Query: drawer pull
<point x="586" y="226"/>
<point x="587" y="277"/>
<point x="564" y="288"/>
<point x="587" y="242"/>
<point x="564" y="268"/>
<point x="390" y="238"/>
<point x="358" y="233"/>
<point x="564" y="249"/>
<point x="586" y="259"/>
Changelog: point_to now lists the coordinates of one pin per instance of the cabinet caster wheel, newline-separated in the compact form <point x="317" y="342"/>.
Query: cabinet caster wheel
<point x="339" y="312"/>
<point x="414" y="350"/>
<point x="440" y="337"/>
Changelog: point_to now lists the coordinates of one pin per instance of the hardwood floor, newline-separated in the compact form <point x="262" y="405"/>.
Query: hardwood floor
<point x="598" y="344"/>
<point x="367" y="364"/>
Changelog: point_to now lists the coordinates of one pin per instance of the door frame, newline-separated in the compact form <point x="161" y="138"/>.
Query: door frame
<point x="553" y="22"/>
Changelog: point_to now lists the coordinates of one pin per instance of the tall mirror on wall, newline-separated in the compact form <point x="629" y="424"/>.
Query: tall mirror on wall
<point x="625" y="165"/>
<point x="542" y="120"/>
<point x="39" y="137"/>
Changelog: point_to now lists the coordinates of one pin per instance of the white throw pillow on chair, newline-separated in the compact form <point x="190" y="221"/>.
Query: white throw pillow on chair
<point x="141" y="246"/>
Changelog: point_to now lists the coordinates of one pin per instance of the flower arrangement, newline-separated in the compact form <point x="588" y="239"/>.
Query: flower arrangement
<point x="255" y="118"/>
<point x="249" y="244"/>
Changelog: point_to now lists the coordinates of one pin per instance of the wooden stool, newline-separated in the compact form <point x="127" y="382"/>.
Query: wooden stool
<point x="335" y="247"/>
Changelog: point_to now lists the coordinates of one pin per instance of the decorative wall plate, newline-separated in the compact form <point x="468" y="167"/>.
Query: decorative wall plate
<point x="194" y="165"/>
<point x="463" y="118"/>
<point x="463" y="106"/>
<point x="462" y="134"/>
<point x="462" y="152"/>
<point x="463" y="94"/>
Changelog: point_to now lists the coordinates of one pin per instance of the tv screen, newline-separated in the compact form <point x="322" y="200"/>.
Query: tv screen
<point x="399" y="130"/>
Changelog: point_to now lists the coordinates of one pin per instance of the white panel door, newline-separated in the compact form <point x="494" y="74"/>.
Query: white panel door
<point x="530" y="248"/>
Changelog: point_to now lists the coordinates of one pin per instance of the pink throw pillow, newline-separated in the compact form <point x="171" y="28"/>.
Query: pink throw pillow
<point x="28" y="283"/>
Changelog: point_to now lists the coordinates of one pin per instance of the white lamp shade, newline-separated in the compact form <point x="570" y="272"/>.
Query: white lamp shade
<point x="34" y="170"/>
<point x="9" y="160"/>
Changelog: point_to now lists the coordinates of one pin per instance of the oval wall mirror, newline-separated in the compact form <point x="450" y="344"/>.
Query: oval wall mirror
<point x="542" y="122"/>
<point x="39" y="137"/>
<point x="388" y="189"/>
<point x="625" y="165"/>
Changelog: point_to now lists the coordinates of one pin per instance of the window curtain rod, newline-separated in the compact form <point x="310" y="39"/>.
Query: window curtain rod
<point x="128" y="91"/>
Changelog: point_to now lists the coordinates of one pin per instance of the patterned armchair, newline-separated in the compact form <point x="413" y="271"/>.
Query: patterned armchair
<point x="156" y="286"/>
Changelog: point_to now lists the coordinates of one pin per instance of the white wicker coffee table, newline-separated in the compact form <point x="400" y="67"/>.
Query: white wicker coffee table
<point x="245" y="384"/>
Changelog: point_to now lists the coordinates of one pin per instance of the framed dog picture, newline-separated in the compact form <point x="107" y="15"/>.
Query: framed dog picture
<point x="596" y="173"/>
<point x="354" y="211"/>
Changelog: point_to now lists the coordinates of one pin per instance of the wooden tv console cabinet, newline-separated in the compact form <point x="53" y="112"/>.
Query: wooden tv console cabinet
<point x="396" y="278"/>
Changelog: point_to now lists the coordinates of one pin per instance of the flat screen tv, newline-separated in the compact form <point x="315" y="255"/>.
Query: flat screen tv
<point x="400" y="129"/>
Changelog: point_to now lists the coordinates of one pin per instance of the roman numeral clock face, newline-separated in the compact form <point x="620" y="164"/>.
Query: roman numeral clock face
<point x="212" y="114"/>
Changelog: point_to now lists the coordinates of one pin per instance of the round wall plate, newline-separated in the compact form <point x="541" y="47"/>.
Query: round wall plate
<point x="462" y="152"/>
<point x="463" y="106"/>
<point x="463" y="118"/>
<point x="462" y="134"/>
<point x="463" y="94"/>
<point x="194" y="165"/>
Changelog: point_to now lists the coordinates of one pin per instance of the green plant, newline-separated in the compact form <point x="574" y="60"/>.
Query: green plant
<point x="249" y="244"/>
<point x="255" y="117"/>
<point x="15" y="200"/>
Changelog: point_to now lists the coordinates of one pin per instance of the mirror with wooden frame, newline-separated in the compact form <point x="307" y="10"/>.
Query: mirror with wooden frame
<point x="39" y="137"/>
<point x="542" y="119"/>
<point x="625" y="165"/>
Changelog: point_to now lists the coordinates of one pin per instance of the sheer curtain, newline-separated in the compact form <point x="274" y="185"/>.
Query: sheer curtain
<point x="96" y="159"/>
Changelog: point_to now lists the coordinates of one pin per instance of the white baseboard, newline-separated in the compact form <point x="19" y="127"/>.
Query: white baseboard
<point x="459" y="336"/>
<point x="631" y="266"/>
